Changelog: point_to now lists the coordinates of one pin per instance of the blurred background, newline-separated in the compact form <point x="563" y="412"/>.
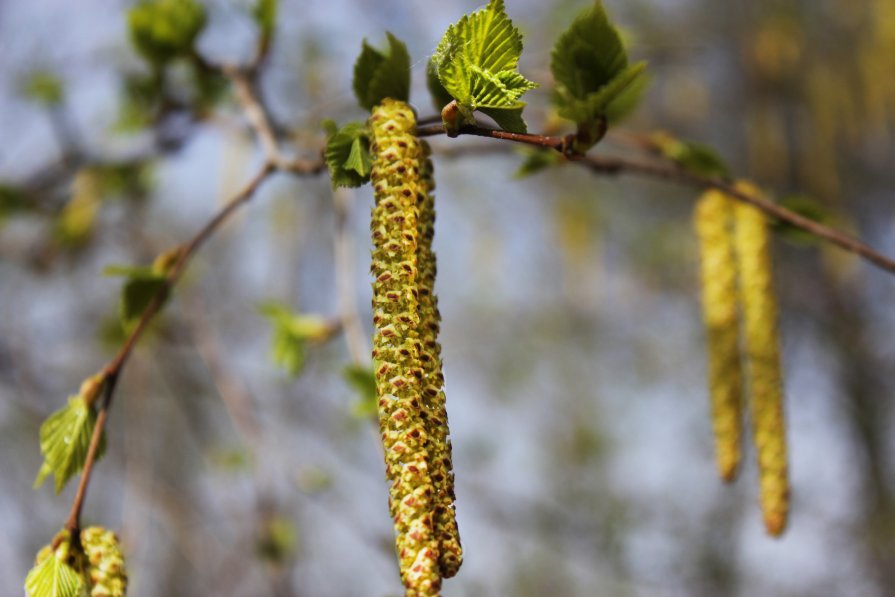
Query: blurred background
<point x="572" y="338"/>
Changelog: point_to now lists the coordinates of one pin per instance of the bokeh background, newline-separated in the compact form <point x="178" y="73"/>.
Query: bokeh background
<point x="572" y="336"/>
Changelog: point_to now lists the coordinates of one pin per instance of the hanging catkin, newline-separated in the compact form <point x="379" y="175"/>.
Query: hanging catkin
<point x="397" y="348"/>
<point x="712" y="221"/>
<point x="759" y="306"/>
<point x="441" y="468"/>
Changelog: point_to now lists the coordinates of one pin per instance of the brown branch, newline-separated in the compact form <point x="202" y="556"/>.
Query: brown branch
<point x="673" y="173"/>
<point x="617" y="165"/>
<point x="113" y="369"/>
<point x="255" y="112"/>
<point x="548" y="142"/>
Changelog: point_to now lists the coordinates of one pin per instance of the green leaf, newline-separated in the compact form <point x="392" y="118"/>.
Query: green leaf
<point x="359" y="159"/>
<point x="379" y="74"/>
<point x="162" y="30"/>
<point x="590" y="67"/>
<point x="265" y="14"/>
<point x="627" y="100"/>
<point x="363" y="381"/>
<point x="804" y="206"/>
<point x="508" y="120"/>
<point x="597" y="104"/>
<point x="292" y="332"/>
<point x="440" y="96"/>
<point x="43" y="87"/>
<point x="537" y="160"/>
<point x="476" y="61"/>
<point x="347" y="155"/>
<point x="12" y="200"/>
<point x="139" y="289"/>
<point x="697" y="158"/>
<point x="141" y="94"/>
<point x="53" y="577"/>
<point x="136" y="295"/>
<point x="588" y="55"/>
<point x="277" y="539"/>
<point x="64" y="441"/>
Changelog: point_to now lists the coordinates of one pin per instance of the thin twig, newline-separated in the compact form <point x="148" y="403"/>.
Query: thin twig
<point x="243" y="81"/>
<point x="617" y="165"/>
<point x="113" y="369"/>
<point x="673" y="173"/>
<point x="548" y="142"/>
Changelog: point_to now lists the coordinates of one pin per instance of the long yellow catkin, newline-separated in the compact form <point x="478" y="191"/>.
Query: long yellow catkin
<point x="712" y="221"/>
<point x="441" y="469"/>
<point x="759" y="305"/>
<point x="400" y="374"/>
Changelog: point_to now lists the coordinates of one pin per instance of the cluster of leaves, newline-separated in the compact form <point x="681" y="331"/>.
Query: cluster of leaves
<point x="164" y="33"/>
<point x="474" y="69"/>
<point x="162" y="30"/>
<point x="56" y="570"/>
<point x="94" y="566"/>
<point x="593" y="78"/>
<point x="475" y="65"/>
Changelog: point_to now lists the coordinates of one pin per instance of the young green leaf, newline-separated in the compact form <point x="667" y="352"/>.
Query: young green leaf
<point x="440" y="96"/>
<point x="537" y="160"/>
<point x="379" y="74"/>
<point x="12" y="200"/>
<point x="590" y="67"/>
<point x="347" y="155"/>
<point x="64" y="441"/>
<point x="44" y="88"/>
<point x="363" y="381"/>
<point x="139" y="289"/>
<point x="804" y="206"/>
<point x="53" y="577"/>
<point x="162" y="30"/>
<point x="697" y="158"/>
<point x="292" y="332"/>
<point x="277" y="539"/>
<point x="265" y="14"/>
<point x="476" y="62"/>
<point x="136" y="296"/>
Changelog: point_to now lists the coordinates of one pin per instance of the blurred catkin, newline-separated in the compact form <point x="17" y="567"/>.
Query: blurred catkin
<point x="753" y="250"/>
<point x="712" y="221"/>
<point x="397" y="347"/>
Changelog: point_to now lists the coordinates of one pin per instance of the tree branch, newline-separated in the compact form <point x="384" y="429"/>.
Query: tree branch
<point x="257" y="116"/>
<point x="618" y="165"/>
<point x="113" y="369"/>
<point x="673" y="173"/>
<point x="545" y="141"/>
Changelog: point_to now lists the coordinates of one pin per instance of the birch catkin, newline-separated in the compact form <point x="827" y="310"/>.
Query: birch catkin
<point x="441" y="469"/>
<point x="712" y="221"/>
<point x="397" y="347"/>
<point x="105" y="569"/>
<point x="752" y="241"/>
